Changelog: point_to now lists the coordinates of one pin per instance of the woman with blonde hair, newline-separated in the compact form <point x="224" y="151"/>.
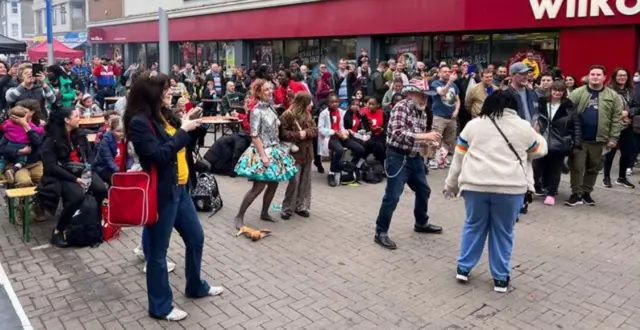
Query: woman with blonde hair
<point x="299" y="128"/>
<point x="265" y="162"/>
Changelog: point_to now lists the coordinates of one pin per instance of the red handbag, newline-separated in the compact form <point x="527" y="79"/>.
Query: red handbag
<point x="133" y="196"/>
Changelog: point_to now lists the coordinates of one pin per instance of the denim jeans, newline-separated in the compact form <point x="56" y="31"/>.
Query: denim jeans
<point x="179" y="214"/>
<point x="493" y="215"/>
<point x="403" y="169"/>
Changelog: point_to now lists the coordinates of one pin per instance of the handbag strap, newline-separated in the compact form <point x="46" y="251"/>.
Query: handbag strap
<point x="507" y="141"/>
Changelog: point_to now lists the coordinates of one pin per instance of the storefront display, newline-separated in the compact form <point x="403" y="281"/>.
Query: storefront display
<point x="469" y="29"/>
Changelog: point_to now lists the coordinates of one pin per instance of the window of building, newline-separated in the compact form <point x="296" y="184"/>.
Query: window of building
<point x="269" y="52"/>
<point x="15" y="30"/>
<point x="305" y="50"/>
<point x="14" y="7"/>
<point x="187" y="53"/>
<point x="174" y="53"/>
<point x="208" y="51"/>
<point x="78" y="21"/>
<point x="63" y="14"/>
<point x="139" y="53"/>
<point x="409" y="49"/>
<point x="509" y="48"/>
<point x="332" y="50"/>
<point x="152" y="54"/>
<point x="226" y="55"/>
<point x="39" y="21"/>
<point x="54" y="15"/>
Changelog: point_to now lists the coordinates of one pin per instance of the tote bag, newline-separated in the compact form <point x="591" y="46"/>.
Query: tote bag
<point x="132" y="196"/>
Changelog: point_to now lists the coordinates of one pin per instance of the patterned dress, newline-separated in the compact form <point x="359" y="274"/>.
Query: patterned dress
<point x="265" y="124"/>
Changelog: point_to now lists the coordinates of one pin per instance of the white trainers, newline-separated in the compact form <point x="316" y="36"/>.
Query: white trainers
<point x="177" y="315"/>
<point x="215" y="290"/>
<point x="433" y="164"/>
<point x="629" y="172"/>
<point x="170" y="268"/>
<point x="139" y="252"/>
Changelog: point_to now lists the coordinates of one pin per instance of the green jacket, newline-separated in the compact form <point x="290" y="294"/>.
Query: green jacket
<point x="609" y="112"/>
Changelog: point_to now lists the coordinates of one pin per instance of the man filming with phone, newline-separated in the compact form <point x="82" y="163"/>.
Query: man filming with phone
<point x="30" y="87"/>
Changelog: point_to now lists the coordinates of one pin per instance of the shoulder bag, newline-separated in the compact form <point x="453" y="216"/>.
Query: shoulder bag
<point x="524" y="171"/>
<point x="133" y="196"/>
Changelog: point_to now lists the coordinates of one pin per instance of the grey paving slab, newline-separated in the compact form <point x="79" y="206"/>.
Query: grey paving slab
<point x="573" y="268"/>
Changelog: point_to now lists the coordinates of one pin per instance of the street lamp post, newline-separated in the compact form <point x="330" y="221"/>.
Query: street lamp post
<point x="49" y="13"/>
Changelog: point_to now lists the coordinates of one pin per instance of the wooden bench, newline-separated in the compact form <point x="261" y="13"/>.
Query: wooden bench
<point x="23" y="198"/>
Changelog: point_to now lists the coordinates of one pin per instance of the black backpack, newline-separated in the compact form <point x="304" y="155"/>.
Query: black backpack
<point x="206" y="194"/>
<point x="85" y="227"/>
<point x="373" y="173"/>
<point x="349" y="173"/>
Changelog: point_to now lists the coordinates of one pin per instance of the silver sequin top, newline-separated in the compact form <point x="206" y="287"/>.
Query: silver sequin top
<point x="265" y="124"/>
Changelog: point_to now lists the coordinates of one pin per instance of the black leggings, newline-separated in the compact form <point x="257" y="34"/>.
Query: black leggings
<point x="73" y="195"/>
<point x="626" y="145"/>
<point x="377" y="146"/>
<point x="547" y="172"/>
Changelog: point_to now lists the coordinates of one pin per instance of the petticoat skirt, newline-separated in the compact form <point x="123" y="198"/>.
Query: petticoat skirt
<point x="281" y="165"/>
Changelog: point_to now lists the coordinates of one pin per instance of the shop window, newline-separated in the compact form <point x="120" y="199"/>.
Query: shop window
<point x="332" y="50"/>
<point x="187" y="53"/>
<point x="407" y="49"/>
<point x="208" y="51"/>
<point x="152" y="55"/>
<point x="269" y="52"/>
<point x="305" y="50"/>
<point x="115" y="52"/>
<point x="174" y="53"/>
<point x="225" y="51"/>
<point x="509" y="48"/>
<point x="227" y="55"/>
<point x="138" y="51"/>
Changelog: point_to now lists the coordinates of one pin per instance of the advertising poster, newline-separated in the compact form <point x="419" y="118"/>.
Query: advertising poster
<point x="407" y="55"/>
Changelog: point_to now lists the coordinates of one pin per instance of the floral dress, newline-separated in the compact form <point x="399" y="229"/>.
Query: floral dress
<point x="264" y="123"/>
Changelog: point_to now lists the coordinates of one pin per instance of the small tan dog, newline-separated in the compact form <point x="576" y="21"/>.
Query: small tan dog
<point x="253" y="234"/>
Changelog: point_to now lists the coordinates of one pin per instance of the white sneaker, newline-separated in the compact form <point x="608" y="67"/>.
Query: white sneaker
<point x="629" y="171"/>
<point x="433" y="164"/>
<point x="215" y="290"/>
<point x="170" y="268"/>
<point x="139" y="252"/>
<point x="177" y="315"/>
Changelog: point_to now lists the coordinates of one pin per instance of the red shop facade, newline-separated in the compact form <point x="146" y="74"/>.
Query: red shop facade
<point x="572" y="34"/>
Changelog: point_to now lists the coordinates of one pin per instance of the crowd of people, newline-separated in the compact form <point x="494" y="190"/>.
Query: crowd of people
<point x="506" y="133"/>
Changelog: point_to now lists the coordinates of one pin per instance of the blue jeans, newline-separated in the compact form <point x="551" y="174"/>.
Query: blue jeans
<point x="179" y="214"/>
<point x="18" y="159"/>
<point x="494" y="215"/>
<point x="403" y="169"/>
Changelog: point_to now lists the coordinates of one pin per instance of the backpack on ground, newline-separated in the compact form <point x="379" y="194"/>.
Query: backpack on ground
<point x="85" y="227"/>
<point x="373" y="173"/>
<point x="348" y="175"/>
<point x="206" y="194"/>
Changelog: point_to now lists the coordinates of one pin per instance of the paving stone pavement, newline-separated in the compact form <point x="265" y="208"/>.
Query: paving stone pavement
<point x="573" y="268"/>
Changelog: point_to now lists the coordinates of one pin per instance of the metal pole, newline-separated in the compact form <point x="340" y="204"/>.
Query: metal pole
<point x="163" y="41"/>
<point x="49" y="13"/>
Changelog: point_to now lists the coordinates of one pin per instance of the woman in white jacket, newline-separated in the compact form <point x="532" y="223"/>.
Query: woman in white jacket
<point x="491" y="170"/>
<point x="332" y="136"/>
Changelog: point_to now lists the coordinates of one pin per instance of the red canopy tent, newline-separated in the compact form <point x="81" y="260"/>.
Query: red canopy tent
<point x="60" y="50"/>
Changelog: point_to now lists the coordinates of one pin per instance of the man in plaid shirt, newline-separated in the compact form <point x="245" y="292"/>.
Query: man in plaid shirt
<point x="84" y="75"/>
<point x="406" y="135"/>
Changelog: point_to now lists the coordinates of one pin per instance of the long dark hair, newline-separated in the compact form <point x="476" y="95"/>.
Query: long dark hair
<point x="614" y="84"/>
<point x="56" y="128"/>
<point x="146" y="98"/>
<point x="495" y="104"/>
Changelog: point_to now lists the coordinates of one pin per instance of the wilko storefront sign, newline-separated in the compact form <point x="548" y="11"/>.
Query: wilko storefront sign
<point x="551" y="9"/>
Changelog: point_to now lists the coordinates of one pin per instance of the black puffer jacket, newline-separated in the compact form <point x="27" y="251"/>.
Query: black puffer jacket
<point x="563" y="132"/>
<point x="224" y="154"/>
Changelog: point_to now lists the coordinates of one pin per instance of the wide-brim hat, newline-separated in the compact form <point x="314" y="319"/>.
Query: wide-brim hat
<point x="418" y="86"/>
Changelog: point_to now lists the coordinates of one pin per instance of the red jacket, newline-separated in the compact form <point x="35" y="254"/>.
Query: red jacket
<point x="280" y="96"/>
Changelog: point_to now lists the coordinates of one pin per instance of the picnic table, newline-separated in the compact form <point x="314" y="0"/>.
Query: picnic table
<point x="92" y="121"/>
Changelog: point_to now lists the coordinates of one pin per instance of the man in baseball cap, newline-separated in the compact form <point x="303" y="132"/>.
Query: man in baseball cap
<point x="518" y="67"/>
